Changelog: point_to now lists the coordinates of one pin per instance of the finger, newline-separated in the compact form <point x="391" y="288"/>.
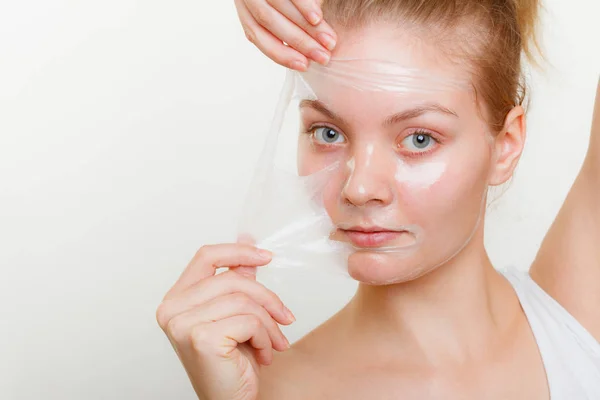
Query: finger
<point x="310" y="10"/>
<point x="262" y="356"/>
<point x="180" y="326"/>
<point x="238" y="304"/>
<point x="225" y="335"/>
<point x="249" y="272"/>
<point x="208" y="258"/>
<point x="222" y="285"/>
<point x="268" y="44"/>
<point x="287" y="31"/>
<point x="321" y="32"/>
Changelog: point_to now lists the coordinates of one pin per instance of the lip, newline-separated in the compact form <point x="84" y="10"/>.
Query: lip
<point x="369" y="237"/>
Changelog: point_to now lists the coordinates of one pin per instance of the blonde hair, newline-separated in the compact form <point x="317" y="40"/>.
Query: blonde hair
<point x="494" y="36"/>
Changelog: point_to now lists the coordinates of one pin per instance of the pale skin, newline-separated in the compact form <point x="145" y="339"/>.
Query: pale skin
<point x="475" y="341"/>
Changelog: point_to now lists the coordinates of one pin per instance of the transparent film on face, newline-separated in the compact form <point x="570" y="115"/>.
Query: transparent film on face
<point x="307" y="194"/>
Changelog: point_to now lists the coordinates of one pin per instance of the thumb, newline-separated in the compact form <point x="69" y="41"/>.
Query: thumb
<point x="249" y="272"/>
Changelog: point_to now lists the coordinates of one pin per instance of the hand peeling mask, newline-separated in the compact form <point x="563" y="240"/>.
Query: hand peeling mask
<point x="371" y="168"/>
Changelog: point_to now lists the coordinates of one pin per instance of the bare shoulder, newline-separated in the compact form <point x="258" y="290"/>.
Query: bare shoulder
<point x="288" y="377"/>
<point x="303" y="371"/>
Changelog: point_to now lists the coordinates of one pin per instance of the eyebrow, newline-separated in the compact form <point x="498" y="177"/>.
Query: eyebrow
<point x="320" y="107"/>
<point x="392" y="119"/>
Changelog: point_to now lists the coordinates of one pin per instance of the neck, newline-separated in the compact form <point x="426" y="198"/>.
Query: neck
<point x="455" y="312"/>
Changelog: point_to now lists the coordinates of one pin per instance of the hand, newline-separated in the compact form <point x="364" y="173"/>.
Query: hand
<point x="299" y="23"/>
<point x="223" y="327"/>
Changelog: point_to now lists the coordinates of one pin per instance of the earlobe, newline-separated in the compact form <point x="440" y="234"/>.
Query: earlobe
<point x="508" y="146"/>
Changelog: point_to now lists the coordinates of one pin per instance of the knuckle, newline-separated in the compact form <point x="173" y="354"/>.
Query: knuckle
<point x="202" y="251"/>
<point x="174" y="329"/>
<point x="279" y="58"/>
<point x="277" y="4"/>
<point x="271" y="297"/>
<point x="290" y="64"/>
<point x="228" y="276"/>
<point x="254" y="323"/>
<point x="277" y="303"/>
<point x="162" y="316"/>
<point x="242" y="300"/>
<point x="300" y="42"/>
<point x="301" y="4"/>
<point x="232" y="276"/>
<point x="249" y="35"/>
<point x="199" y="338"/>
<point x="262" y="16"/>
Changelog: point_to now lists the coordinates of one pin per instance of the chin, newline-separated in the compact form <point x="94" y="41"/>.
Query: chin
<point x="379" y="269"/>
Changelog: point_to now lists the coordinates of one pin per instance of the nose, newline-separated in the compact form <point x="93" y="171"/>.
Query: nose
<point x="370" y="177"/>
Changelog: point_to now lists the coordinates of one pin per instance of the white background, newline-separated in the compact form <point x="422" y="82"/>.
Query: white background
<point x="127" y="131"/>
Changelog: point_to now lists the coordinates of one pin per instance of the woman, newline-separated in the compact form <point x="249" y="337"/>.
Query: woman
<point x="459" y="330"/>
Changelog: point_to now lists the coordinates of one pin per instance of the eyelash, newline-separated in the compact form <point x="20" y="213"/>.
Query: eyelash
<point x="419" y="154"/>
<point x="311" y="130"/>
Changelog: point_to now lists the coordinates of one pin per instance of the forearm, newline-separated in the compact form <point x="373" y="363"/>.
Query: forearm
<point x="568" y="263"/>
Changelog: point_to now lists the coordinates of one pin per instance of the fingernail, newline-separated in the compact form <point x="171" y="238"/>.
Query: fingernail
<point x="314" y="18"/>
<point x="319" y="56"/>
<point x="287" y="343"/>
<point x="264" y="254"/>
<point x="299" y="65"/>
<point x="326" y="40"/>
<point x="288" y="314"/>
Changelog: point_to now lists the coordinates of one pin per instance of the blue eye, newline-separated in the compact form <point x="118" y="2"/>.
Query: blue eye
<point x="328" y="135"/>
<point x="418" y="142"/>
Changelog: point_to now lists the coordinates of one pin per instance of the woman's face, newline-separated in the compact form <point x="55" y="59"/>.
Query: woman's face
<point x="411" y="167"/>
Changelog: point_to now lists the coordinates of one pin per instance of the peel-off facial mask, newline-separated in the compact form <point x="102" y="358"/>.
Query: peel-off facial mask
<point x="370" y="169"/>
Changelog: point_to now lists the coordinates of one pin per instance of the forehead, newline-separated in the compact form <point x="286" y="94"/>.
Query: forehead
<point x="383" y="69"/>
<point x="374" y="101"/>
<point x="409" y="46"/>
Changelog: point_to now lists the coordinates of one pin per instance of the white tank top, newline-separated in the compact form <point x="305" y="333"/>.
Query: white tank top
<point x="571" y="355"/>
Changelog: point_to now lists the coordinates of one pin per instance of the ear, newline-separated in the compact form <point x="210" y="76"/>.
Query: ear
<point x="508" y="146"/>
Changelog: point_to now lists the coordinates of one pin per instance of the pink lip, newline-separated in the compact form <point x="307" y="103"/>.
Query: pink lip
<point x="370" y="236"/>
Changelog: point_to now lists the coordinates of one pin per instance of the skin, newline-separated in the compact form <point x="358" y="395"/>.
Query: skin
<point x="299" y="23"/>
<point x="475" y="341"/>
<point x="567" y="265"/>
<point x="447" y="209"/>
<point x="486" y="339"/>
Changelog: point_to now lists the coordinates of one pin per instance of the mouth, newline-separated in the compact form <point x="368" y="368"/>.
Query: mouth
<point x="371" y="236"/>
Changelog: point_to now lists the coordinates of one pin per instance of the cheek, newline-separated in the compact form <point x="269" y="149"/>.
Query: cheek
<point x="304" y="157"/>
<point x="332" y="192"/>
<point x="419" y="177"/>
<point x="452" y="197"/>
<point x="329" y="183"/>
<point x="310" y="161"/>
